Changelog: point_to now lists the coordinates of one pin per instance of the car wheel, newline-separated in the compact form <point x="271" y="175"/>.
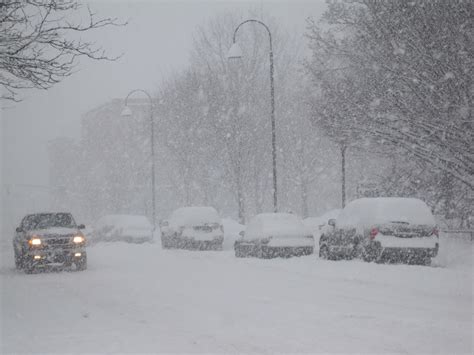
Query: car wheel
<point x="324" y="252"/>
<point x="239" y="253"/>
<point x="81" y="264"/>
<point x="426" y="261"/>
<point x="164" y="242"/>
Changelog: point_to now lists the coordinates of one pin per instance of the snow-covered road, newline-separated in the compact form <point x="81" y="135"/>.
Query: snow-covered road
<point x="138" y="298"/>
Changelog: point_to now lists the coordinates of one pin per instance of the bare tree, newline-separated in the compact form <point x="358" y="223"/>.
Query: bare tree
<point x="37" y="44"/>
<point x="410" y="68"/>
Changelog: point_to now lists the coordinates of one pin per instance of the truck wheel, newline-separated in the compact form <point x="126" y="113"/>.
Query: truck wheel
<point x="29" y="268"/>
<point x="81" y="264"/>
<point x="18" y="261"/>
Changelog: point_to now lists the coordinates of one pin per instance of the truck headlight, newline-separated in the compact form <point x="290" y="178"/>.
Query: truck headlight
<point x="78" y="239"/>
<point x="35" y="241"/>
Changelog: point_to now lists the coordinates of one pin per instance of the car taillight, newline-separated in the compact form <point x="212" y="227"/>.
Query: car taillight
<point x="373" y="232"/>
<point x="435" y="232"/>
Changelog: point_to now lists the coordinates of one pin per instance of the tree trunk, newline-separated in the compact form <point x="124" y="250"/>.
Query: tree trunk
<point x="304" y="199"/>
<point x="240" y="199"/>
<point x="343" y="172"/>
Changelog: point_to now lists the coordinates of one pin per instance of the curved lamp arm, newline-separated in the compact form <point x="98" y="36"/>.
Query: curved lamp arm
<point x="255" y="21"/>
<point x="139" y="90"/>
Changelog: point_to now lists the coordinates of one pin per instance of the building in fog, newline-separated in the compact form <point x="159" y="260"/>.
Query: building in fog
<point x="108" y="170"/>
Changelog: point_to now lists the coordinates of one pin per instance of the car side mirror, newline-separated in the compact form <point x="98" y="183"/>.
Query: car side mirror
<point x="241" y="233"/>
<point x="81" y="226"/>
<point x="164" y="223"/>
<point x="19" y="229"/>
<point x="332" y="222"/>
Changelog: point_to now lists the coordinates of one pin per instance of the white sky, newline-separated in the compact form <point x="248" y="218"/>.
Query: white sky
<point x="156" y="42"/>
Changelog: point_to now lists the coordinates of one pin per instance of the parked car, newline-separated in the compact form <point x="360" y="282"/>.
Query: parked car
<point x="382" y="229"/>
<point x="196" y="228"/>
<point x="124" y="228"/>
<point x="270" y="235"/>
<point x="49" y="240"/>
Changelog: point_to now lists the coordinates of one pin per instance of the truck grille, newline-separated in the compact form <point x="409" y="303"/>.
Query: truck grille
<point x="57" y="241"/>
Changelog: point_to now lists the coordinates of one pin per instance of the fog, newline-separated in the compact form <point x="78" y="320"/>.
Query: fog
<point x="155" y="43"/>
<point x="179" y="199"/>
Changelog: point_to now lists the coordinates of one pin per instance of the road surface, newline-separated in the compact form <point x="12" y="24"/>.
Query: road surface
<point x="139" y="298"/>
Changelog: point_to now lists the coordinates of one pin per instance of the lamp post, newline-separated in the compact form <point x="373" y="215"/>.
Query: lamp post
<point x="127" y="112"/>
<point x="234" y="53"/>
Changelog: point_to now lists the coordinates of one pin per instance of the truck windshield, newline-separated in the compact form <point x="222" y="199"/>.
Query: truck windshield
<point x="48" y="220"/>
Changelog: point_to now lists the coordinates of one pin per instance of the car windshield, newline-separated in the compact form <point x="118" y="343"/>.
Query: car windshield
<point x="48" y="220"/>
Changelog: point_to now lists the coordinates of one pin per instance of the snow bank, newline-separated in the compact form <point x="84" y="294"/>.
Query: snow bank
<point x="366" y="212"/>
<point x="123" y="221"/>
<point x="456" y="251"/>
<point x="122" y="227"/>
<point x="276" y="225"/>
<point x="193" y="216"/>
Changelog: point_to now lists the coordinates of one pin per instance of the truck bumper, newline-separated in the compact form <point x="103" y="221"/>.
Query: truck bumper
<point x="55" y="257"/>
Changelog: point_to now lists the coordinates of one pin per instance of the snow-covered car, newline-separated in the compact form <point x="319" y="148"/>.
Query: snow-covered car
<point x="49" y="240"/>
<point x="318" y="225"/>
<point x="270" y="235"/>
<point x="124" y="228"/>
<point x="389" y="229"/>
<point x="196" y="228"/>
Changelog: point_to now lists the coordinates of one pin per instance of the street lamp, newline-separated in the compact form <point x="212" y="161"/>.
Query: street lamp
<point x="235" y="53"/>
<point x="343" y="174"/>
<point x="127" y="112"/>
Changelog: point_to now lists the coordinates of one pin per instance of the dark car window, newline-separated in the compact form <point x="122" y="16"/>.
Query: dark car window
<point x="48" y="220"/>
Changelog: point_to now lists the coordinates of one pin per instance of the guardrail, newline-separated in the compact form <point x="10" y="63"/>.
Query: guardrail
<point x="460" y="232"/>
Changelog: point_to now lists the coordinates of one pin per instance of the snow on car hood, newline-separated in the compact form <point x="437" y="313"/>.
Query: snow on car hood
<point x="194" y="216"/>
<point x="276" y="225"/>
<point x="53" y="231"/>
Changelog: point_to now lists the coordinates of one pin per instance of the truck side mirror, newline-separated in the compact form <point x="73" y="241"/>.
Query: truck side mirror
<point x="332" y="222"/>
